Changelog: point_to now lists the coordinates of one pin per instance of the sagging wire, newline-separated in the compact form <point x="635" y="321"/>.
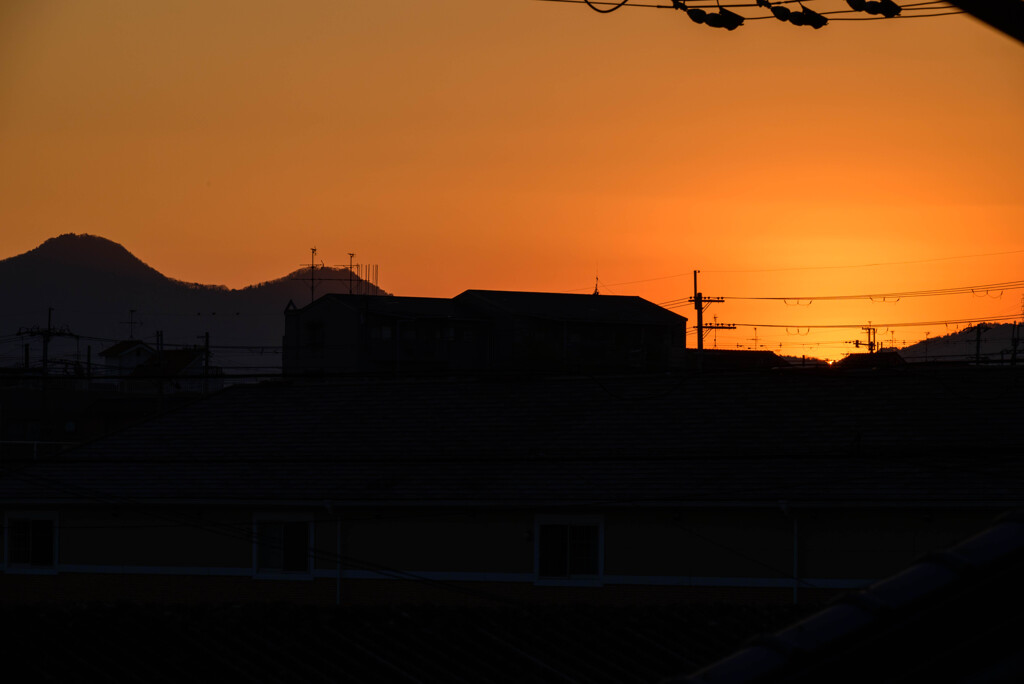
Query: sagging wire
<point x="802" y="17"/>
<point x="725" y="18"/>
<point x="594" y="7"/>
<point x="984" y="289"/>
<point x="885" y="8"/>
<point x="947" y="323"/>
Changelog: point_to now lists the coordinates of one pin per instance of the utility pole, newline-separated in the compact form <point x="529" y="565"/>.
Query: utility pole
<point x="46" y="333"/>
<point x="872" y="335"/>
<point x="1014" y="342"/>
<point x="701" y="303"/>
<point x="206" y="363"/>
<point x="46" y="338"/>
<point x="978" y="329"/>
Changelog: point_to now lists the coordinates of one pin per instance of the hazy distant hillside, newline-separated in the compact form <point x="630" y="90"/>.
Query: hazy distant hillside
<point x="93" y="285"/>
<point x="992" y="341"/>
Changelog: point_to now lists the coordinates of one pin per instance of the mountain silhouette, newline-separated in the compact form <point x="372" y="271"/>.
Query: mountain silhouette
<point x="95" y="292"/>
<point x="986" y="342"/>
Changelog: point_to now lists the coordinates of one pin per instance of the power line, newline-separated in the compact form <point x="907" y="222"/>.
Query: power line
<point x="966" y="289"/>
<point x="608" y="6"/>
<point x="807" y="268"/>
<point x="867" y="265"/>
<point x="959" y="321"/>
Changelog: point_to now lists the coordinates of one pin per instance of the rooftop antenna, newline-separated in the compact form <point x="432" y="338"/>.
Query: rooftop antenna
<point x="350" y="276"/>
<point x="131" y="323"/>
<point x="595" y="285"/>
<point x="312" y="274"/>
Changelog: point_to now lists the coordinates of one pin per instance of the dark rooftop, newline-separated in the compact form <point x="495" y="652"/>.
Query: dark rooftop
<point x="954" y="616"/>
<point x="572" y="307"/>
<point x="619" y="645"/>
<point x="907" y="438"/>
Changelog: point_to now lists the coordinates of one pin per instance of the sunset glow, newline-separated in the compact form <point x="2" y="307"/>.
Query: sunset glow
<point x="525" y="145"/>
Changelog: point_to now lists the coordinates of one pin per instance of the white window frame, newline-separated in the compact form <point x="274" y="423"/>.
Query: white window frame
<point x="579" y="580"/>
<point x="28" y="568"/>
<point x="276" y="573"/>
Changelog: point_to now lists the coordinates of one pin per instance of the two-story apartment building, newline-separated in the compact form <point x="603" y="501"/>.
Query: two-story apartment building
<point x="776" y="486"/>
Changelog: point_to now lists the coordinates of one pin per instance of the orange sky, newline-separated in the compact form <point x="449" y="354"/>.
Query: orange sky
<point x="516" y="144"/>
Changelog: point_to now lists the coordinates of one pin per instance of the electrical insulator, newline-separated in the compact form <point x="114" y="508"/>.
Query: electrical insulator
<point x="697" y="15"/>
<point x="724" y="19"/>
<point x="813" y="19"/>
<point x="887" y="8"/>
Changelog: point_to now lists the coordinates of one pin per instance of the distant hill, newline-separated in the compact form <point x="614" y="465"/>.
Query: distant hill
<point x="101" y="293"/>
<point x="992" y="342"/>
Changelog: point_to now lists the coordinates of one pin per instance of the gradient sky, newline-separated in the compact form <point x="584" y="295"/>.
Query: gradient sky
<point x="518" y="144"/>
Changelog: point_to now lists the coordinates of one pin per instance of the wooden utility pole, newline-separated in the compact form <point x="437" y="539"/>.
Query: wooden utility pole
<point x="978" y="329"/>
<point x="701" y="303"/>
<point x="46" y="333"/>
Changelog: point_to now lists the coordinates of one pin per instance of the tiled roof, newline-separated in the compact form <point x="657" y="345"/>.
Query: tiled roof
<point x="123" y="347"/>
<point x="471" y="645"/>
<point x="598" y="483"/>
<point x="954" y="616"/>
<point x="752" y="439"/>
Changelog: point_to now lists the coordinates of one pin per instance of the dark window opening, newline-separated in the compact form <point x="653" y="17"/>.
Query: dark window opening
<point x="568" y="551"/>
<point x="283" y="546"/>
<point x="315" y="334"/>
<point x="31" y="542"/>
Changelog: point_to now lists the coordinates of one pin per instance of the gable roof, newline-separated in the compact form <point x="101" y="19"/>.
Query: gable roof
<point x="476" y="304"/>
<point x="572" y="307"/>
<point x="125" y="346"/>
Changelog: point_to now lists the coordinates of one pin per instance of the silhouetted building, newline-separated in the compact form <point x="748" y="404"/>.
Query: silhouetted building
<point x="773" y="486"/>
<point x="138" y="368"/>
<point x="480" y="330"/>
<point x="886" y="359"/>
<point x="124" y="357"/>
<point x="171" y="371"/>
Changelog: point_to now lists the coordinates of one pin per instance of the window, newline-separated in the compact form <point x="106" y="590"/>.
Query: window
<point x="282" y="547"/>
<point x="569" y="550"/>
<point x="315" y="335"/>
<point x="31" y="541"/>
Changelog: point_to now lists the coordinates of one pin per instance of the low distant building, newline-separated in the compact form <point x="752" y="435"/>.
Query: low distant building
<point x="479" y="330"/>
<point x="138" y="368"/>
<point x="124" y="357"/>
<point x="170" y="371"/>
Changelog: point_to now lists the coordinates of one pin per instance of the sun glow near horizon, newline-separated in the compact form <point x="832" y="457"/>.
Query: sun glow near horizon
<point x="526" y="146"/>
